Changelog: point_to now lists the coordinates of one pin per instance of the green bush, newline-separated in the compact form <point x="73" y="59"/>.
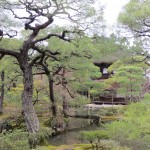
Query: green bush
<point x="135" y="128"/>
<point x="39" y="138"/>
<point x="16" y="140"/>
<point x="79" y="101"/>
<point x="94" y="136"/>
<point x="21" y="140"/>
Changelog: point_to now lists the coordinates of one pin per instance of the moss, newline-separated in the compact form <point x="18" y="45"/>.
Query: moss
<point x="109" y="118"/>
<point x="62" y="147"/>
<point x="46" y="148"/>
<point x="82" y="146"/>
<point x="107" y="145"/>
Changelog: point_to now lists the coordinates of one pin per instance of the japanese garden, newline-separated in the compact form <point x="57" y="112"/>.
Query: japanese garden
<point x="70" y="82"/>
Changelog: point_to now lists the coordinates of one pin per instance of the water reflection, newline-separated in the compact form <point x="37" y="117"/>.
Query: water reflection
<point x="70" y="137"/>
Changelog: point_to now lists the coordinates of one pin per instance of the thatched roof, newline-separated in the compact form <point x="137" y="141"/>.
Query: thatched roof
<point x="112" y="57"/>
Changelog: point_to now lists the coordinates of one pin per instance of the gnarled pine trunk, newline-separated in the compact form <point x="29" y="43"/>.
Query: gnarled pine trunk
<point x="52" y="98"/>
<point x="31" y="120"/>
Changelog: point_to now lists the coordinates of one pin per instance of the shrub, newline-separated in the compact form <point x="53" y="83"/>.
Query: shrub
<point x="136" y="126"/>
<point x="21" y="140"/>
<point x="79" y="101"/>
<point x="39" y="138"/>
<point x="94" y="136"/>
<point x="15" y="140"/>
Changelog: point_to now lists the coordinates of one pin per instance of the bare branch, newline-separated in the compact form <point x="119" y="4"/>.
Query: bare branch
<point x="52" y="53"/>
<point x="38" y="49"/>
<point x="39" y="73"/>
<point x="9" y="35"/>
<point x="53" y="35"/>
<point x="9" y="52"/>
<point x="141" y="31"/>
<point x="35" y="60"/>
<point x="146" y="23"/>
<point x="1" y="34"/>
<point x="72" y="96"/>
<point x="133" y="60"/>
<point x="1" y="56"/>
<point x="47" y="52"/>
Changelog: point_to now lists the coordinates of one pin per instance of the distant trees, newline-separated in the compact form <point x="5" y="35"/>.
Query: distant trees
<point x="129" y="75"/>
<point x="70" y="67"/>
<point x="8" y="77"/>
<point x="135" y="16"/>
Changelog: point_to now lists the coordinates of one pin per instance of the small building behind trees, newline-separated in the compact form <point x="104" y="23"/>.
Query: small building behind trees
<point x="109" y="94"/>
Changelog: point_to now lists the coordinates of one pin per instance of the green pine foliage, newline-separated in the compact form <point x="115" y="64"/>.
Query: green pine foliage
<point x="133" y="131"/>
<point x="129" y="75"/>
<point x="134" y="13"/>
<point x="92" y="136"/>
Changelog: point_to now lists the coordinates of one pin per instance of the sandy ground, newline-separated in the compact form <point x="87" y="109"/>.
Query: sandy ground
<point x="101" y="106"/>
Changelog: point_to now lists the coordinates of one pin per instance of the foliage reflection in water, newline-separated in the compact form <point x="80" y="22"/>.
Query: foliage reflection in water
<point x="71" y="136"/>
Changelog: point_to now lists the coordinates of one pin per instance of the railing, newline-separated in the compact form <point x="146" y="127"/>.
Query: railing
<point x="109" y="103"/>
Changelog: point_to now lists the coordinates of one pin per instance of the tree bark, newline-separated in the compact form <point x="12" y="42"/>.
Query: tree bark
<point x="52" y="98"/>
<point x="31" y="120"/>
<point x="2" y="92"/>
<point x="65" y="107"/>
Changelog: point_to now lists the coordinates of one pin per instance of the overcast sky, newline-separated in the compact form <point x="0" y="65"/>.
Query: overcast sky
<point x="112" y="9"/>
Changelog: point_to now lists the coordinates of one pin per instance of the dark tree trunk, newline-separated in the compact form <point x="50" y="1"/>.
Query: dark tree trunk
<point x="2" y="92"/>
<point x="65" y="107"/>
<point x="31" y="120"/>
<point x="52" y="98"/>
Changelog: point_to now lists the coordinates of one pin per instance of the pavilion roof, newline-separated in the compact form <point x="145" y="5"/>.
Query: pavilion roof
<point x="112" y="57"/>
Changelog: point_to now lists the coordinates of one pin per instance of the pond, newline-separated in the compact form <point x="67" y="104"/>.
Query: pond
<point x="75" y="125"/>
<point x="71" y="136"/>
